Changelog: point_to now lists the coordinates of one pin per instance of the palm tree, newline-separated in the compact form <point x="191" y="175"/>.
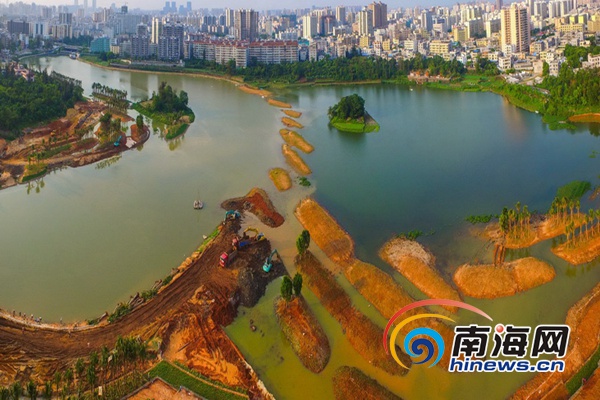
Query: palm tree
<point x="79" y="367"/>
<point x="47" y="393"/>
<point x="68" y="377"/>
<point x="4" y="393"/>
<point x="92" y="378"/>
<point x="56" y="379"/>
<point x="16" y="390"/>
<point x="32" y="390"/>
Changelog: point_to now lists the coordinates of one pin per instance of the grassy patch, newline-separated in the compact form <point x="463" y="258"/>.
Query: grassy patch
<point x="208" y="240"/>
<point x="302" y="181"/>
<point x="54" y="151"/>
<point x="584" y="373"/>
<point x="480" y="219"/>
<point x="176" y="130"/>
<point x="121" y="310"/>
<point x="574" y="190"/>
<point x="34" y="171"/>
<point x="176" y="378"/>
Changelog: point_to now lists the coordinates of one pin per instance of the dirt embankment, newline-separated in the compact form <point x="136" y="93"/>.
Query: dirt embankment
<point x="281" y="179"/>
<point x="591" y="389"/>
<point x="360" y="331"/>
<point x="277" y="103"/>
<point x="377" y="287"/>
<point x="292" y="113"/>
<point x="258" y="203"/>
<point x="493" y="281"/>
<point x="589" y="117"/>
<point x="580" y="252"/>
<point x="304" y="333"/>
<point x="352" y="383"/>
<point x="295" y="161"/>
<point x="296" y="140"/>
<point x="413" y="261"/>
<point x="187" y="315"/>
<point x="583" y="342"/>
<point x="255" y="91"/>
<point x="542" y="229"/>
<point x="291" y="123"/>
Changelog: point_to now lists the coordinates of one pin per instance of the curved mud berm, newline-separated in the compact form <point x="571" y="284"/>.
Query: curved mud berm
<point x="352" y="383"/>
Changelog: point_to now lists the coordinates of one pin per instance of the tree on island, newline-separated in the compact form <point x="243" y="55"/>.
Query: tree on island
<point x="168" y="100"/>
<point x="286" y="288"/>
<point x="349" y="107"/>
<point x="297" y="283"/>
<point x="303" y="242"/>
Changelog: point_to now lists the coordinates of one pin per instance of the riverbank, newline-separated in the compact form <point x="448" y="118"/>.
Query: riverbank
<point x="493" y="281"/>
<point x="72" y="141"/>
<point x="581" y="252"/>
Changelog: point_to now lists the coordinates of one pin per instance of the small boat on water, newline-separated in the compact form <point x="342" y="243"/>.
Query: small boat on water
<point x="198" y="205"/>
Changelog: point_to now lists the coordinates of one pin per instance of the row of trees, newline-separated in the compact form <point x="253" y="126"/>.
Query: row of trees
<point x="589" y="228"/>
<point x="115" y="99"/>
<point x="167" y="100"/>
<point x="564" y="209"/>
<point x="24" y="103"/>
<point x="129" y="354"/>
<point x="515" y="223"/>
<point x="344" y="69"/>
<point x="291" y="287"/>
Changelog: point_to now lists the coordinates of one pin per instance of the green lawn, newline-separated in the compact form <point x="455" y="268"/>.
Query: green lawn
<point x="201" y="386"/>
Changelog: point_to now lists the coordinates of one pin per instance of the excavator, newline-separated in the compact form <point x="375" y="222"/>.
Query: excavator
<point x="233" y="214"/>
<point x="258" y="235"/>
<point x="269" y="261"/>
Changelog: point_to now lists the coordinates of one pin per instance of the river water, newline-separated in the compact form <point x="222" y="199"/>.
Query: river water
<point x="90" y="237"/>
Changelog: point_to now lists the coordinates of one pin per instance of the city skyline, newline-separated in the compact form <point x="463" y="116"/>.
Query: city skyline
<point x="257" y="5"/>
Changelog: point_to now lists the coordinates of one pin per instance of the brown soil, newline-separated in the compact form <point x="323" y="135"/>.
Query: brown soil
<point x="258" y="203"/>
<point x="292" y="113"/>
<point x="295" y="161"/>
<point x="352" y="383"/>
<point x="491" y="281"/>
<point x="291" y="123"/>
<point x="279" y="104"/>
<point x="325" y="232"/>
<point x="159" y="389"/>
<point x="413" y="261"/>
<point x="590" y="117"/>
<point x="281" y="179"/>
<point x="296" y="140"/>
<point x="585" y="336"/>
<point x="581" y="253"/>
<point x="544" y="229"/>
<point x="252" y="90"/>
<point x="591" y="389"/>
<point x="304" y="333"/>
<point x="191" y="309"/>
<point x="360" y="331"/>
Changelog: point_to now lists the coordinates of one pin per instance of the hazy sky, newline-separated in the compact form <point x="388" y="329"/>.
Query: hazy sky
<point x="256" y="4"/>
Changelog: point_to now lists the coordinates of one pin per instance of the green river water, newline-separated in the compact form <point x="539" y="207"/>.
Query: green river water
<point x="91" y="237"/>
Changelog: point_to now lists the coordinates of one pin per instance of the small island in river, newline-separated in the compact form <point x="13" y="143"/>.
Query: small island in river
<point x="169" y="108"/>
<point x="349" y="115"/>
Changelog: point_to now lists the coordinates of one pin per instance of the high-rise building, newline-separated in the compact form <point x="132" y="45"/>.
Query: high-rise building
<point x="498" y="4"/>
<point x="246" y="25"/>
<point x="93" y="5"/>
<point x="340" y="15"/>
<point x="426" y="20"/>
<point x="515" y="28"/>
<point x="365" y="22"/>
<point x="188" y="6"/>
<point x="65" y="18"/>
<point x="310" y="26"/>
<point x="229" y="17"/>
<point x="156" y="30"/>
<point x="379" y="12"/>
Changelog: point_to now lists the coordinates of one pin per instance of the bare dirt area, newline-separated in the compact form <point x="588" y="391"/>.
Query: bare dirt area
<point x="292" y="113"/>
<point x="291" y="123"/>
<point x="304" y="333"/>
<point x="352" y="383"/>
<point x="507" y="279"/>
<point x="188" y="315"/>
<point x="280" y="178"/>
<point x="325" y="232"/>
<point x="361" y="332"/>
<point x="417" y="264"/>
<point x="590" y="389"/>
<point x="296" y="140"/>
<point x="579" y="253"/>
<point x="258" y="203"/>
<point x="585" y="334"/>
<point x="277" y="103"/>
<point x="295" y="161"/>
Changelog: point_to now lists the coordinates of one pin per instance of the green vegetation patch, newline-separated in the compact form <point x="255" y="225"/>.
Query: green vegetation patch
<point x="199" y="385"/>
<point x="208" y="240"/>
<point x="34" y="171"/>
<point x="584" y="373"/>
<point x="574" y="190"/>
<point x="302" y="181"/>
<point x="349" y="115"/>
<point x="167" y="106"/>
<point x="176" y="130"/>
<point x="480" y="219"/>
